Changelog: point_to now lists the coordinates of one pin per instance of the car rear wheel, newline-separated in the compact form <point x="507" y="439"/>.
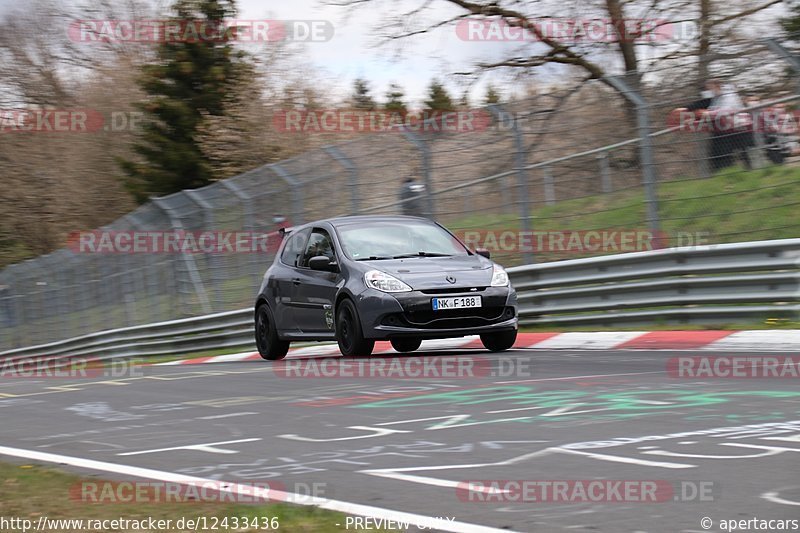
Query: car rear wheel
<point x="406" y="345"/>
<point x="349" y="333"/>
<point x="500" y="341"/>
<point x="270" y="347"/>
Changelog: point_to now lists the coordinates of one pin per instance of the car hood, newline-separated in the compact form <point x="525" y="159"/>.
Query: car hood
<point x="422" y="273"/>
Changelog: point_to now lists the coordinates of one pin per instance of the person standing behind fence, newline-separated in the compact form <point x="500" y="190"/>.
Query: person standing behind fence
<point x="731" y="130"/>
<point x="411" y="194"/>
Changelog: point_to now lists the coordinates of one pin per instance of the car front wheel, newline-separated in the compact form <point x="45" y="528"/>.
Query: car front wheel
<point x="349" y="333"/>
<point x="270" y="347"/>
<point x="500" y="341"/>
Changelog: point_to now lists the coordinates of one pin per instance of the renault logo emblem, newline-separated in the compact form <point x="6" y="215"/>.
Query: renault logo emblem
<point x="450" y="279"/>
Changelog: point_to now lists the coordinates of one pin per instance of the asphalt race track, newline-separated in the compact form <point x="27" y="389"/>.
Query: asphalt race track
<point x="726" y="449"/>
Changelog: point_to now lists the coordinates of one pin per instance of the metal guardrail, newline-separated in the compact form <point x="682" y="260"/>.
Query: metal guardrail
<point x="701" y="284"/>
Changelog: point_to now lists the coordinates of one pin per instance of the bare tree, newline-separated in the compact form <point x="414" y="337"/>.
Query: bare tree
<point x="711" y="23"/>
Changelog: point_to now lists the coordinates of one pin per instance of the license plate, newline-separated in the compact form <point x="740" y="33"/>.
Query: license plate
<point x="459" y="302"/>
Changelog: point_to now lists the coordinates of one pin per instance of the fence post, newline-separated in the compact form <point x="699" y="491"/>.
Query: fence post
<point x="645" y="149"/>
<point x="144" y="275"/>
<point x="352" y="172"/>
<point x="756" y="152"/>
<point x="297" y="192"/>
<point x="213" y="260"/>
<point x="187" y="258"/>
<point x="605" y="173"/>
<point x="15" y="309"/>
<point x="792" y="59"/>
<point x="244" y="199"/>
<point x="425" y="159"/>
<point x="520" y="162"/>
<point x="6" y="317"/>
<point x="549" y="187"/>
<point x="700" y="142"/>
<point x="255" y="267"/>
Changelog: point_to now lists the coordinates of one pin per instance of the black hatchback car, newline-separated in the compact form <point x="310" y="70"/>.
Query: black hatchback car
<point x="359" y="279"/>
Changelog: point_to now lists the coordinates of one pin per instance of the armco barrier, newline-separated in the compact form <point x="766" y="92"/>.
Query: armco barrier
<point x="706" y="284"/>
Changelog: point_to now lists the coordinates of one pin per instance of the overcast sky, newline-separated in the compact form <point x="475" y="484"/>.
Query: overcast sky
<point x="353" y="51"/>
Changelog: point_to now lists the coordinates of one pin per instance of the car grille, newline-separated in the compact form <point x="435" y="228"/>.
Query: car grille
<point x="453" y="290"/>
<point x="456" y="318"/>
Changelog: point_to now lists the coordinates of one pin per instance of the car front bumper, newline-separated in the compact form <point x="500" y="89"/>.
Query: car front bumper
<point x="410" y="314"/>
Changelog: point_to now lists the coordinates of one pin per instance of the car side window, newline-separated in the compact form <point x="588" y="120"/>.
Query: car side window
<point x="293" y="250"/>
<point x="319" y="243"/>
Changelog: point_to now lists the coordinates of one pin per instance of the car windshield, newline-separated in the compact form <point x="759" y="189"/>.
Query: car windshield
<point x="397" y="239"/>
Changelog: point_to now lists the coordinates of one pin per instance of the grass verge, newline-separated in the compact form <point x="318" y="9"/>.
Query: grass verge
<point x="29" y="492"/>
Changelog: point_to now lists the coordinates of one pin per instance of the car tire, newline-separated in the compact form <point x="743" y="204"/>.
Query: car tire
<point x="270" y="347"/>
<point x="349" y="334"/>
<point x="405" y="345"/>
<point x="500" y="341"/>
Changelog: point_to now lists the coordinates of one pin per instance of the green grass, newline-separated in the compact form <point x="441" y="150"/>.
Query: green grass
<point x="32" y="491"/>
<point x="733" y="205"/>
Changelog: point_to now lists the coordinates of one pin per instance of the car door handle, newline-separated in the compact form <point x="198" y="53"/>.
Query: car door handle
<point x="296" y="281"/>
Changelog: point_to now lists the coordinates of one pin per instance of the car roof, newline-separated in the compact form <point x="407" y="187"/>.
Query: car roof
<point x="363" y="219"/>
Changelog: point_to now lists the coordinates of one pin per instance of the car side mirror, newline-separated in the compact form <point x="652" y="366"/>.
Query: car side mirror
<point x="322" y="262"/>
<point x="483" y="252"/>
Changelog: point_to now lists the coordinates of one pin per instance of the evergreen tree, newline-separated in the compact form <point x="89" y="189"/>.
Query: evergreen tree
<point x="791" y="24"/>
<point x="492" y="96"/>
<point x="189" y="79"/>
<point x="362" y="99"/>
<point x="394" y="99"/>
<point x="438" y="98"/>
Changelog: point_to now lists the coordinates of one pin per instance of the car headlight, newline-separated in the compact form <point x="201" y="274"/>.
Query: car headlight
<point x="382" y="281"/>
<point x="499" y="276"/>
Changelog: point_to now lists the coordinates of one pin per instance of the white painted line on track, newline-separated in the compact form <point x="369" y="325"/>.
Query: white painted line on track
<point x="228" y="415"/>
<point x="288" y="497"/>
<point x="774" y="497"/>
<point x="210" y="447"/>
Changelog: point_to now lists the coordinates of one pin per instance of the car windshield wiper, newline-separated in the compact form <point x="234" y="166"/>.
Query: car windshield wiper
<point x="421" y="254"/>
<point x="375" y="258"/>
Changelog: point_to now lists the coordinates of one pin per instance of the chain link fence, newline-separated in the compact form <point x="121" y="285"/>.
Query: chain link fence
<point x="569" y="172"/>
